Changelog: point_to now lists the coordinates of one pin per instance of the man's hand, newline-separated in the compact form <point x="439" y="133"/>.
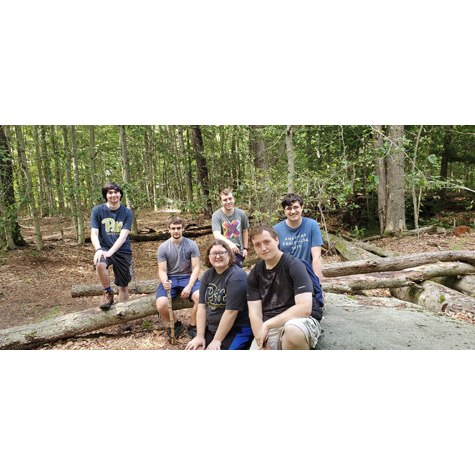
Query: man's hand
<point x="185" y="293"/>
<point x="214" y="345"/>
<point x="98" y="255"/>
<point x="244" y="253"/>
<point x="234" y="248"/>
<point x="261" y="338"/>
<point x="197" y="343"/>
<point x="167" y="285"/>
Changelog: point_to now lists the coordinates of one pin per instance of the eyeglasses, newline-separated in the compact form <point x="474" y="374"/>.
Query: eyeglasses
<point x="218" y="254"/>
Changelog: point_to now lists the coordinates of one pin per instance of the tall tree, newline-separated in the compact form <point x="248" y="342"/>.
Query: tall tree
<point x="187" y="162"/>
<point x="92" y="163"/>
<point x="69" y="180"/>
<point x="126" y="174"/>
<point x="58" y="169"/>
<point x="77" y="185"/>
<point x="41" y="183"/>
<point x="25" y="172"/>
<point x="289" y="135"/>
<point x="202" y="168"/>
<point x="48" y="176"/>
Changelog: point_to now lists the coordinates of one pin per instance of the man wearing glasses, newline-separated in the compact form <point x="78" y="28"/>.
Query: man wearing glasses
<point x="299" y="236"/>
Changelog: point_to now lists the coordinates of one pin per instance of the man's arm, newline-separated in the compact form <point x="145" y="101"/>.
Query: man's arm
<point x="256" y="318"/>
<point x="195" y="266"/>
<point x="317" y="261"/>
<point x="97" y="246"/>
<point x="301" y="309"/>
<point x="118" y="244"/>
<point x="245" y="241"/>
<point x="163" y="276"/>
<point x="218" y="235"/>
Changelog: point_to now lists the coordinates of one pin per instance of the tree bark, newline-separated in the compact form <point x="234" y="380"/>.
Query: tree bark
<point x="188" y="176"/>
<point x="69" y="180"/>
<point x="393" y="279"/>
<point x="406" y="261"/>
<point x="58" y="170"/>
<point x="48" y="176"/>
<point x="462" y="283"/>
<point x="96" y="194"/>
<point x="126" y="174"/>
<point x="290" y="159"/>
<point x="29" y="187"/>
<point x="348" y="250"/>
<point x="202" y="168"/>
<point x="437" y="298"/>
<point x="41" y="186"/>
<point x="77" y="185"/>
<point x="65" y="326"/>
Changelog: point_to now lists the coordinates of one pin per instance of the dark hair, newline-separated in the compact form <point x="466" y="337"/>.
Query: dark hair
<point x="225" y="191"/>
<point x="110" y="185"/>
<point x="260" y="228"/>
<point x="217" y="242"/>
<point x="291" y="198"/>
<point x="176" y="220"/>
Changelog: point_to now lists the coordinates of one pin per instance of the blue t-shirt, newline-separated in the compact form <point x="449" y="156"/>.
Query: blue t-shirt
<point x="109" y="223"/>
<point x="299" y="241"/>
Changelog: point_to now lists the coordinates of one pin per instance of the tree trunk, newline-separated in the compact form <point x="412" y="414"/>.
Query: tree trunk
<point x="188" y="176"/>
<point x="290" y="159"/>
<point x="381" y="172"/>
<point x="393" y="279"/>
<point x="48" y="176"/>
<point x="58" y="170"/>
<point x="65" y="326"/>
<point x="41" y="185"/>
<point x="126" y="174"/>
<point x="77" y="185"/>
<point x="9" y="219"/>
<point x="395" y="214"/>
<point x="69" y="181"/>
<point x="202" y="168"/>
<point x="437" y="298"/>
<point x="406" y="261"/>
<point x="96" y="193"/>
<point x="29" y="187"/>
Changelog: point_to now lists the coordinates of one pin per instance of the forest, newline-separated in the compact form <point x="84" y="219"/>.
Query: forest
<point x="376" y="178"/>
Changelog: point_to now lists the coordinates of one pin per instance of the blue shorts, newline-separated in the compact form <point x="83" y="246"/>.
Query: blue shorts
<point x="178" y="284"/>
<point x="238" y="338"/>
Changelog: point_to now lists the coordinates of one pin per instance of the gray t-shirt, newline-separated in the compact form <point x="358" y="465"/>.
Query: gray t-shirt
<point x="230" y="227"/>
<point x="178" y="256"/>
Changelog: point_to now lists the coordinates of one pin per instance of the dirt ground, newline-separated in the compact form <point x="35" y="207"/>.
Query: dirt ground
<point x="37" y="285"/>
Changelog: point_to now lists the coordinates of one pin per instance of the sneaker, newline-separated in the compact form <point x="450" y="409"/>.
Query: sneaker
<point x="179" y="329"/>
<point x="107" y="300"/>
<point x="191" y="332"/>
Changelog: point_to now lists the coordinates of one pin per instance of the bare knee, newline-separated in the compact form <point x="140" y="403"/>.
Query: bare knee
<point x="294" y="339"/>
<point x="162" y="306"/>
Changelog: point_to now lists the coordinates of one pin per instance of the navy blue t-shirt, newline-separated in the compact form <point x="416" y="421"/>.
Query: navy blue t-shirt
<point x="110" y="223"/>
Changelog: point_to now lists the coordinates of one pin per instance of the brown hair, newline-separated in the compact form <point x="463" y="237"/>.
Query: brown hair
<point x="176" y="220"/>
<point x="260" y="228"/>
<point x="217" y="242"/>
<point x="225" y="191"/>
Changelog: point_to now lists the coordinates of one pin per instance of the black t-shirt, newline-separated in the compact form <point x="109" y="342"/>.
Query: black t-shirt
<point x="276" y="287"/>
<point x="225" y="291"/>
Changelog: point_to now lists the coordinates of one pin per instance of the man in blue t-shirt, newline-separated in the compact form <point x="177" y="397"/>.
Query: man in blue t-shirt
<point x="111" y="223"/>
<point x="300" y="236"/>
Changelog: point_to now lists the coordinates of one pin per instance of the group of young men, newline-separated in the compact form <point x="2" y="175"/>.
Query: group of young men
<point x="285" y="304"/>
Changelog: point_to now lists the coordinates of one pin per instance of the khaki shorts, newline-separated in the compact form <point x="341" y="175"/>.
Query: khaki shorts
<point x="310" y="327"/>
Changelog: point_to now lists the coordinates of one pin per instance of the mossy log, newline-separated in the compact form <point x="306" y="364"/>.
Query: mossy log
<point x="462" y="283"/>
<point x="437" y="297"/>
<point x="65" y="326"/>
<point x="348" y="250"/>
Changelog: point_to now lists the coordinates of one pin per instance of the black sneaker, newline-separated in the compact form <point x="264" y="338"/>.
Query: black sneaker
<point x="179" y="329"/>
<point x="191" y="332"/>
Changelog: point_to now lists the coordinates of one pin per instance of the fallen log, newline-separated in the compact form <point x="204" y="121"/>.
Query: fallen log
<point x="348" y="250"/>
<point x="376" y="264"/>
<point x="88" y="290"/>
<point x="64" y="326"/>
<point x="462" y="283"/>
<point x="374" y="249"/>
<point x="412" y="232"/>
<point x="437" y="297"/>
<point x="388" y="280"/>
<point x="163" y="236"/>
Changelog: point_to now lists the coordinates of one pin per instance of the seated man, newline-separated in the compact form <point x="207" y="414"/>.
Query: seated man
<point x="283" y="313"/>
<point x="178" y="270"/>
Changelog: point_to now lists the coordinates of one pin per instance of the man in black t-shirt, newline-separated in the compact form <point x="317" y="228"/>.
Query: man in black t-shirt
<point x="279" y="295"/>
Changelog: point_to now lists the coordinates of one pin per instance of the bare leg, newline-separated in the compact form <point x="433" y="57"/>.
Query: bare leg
<point x="123" y="294"/>
<point x="103" y="275"/>
<point x="195" y="297"/>
<point x="162" y="308"/>
<point x="294" y="339"/>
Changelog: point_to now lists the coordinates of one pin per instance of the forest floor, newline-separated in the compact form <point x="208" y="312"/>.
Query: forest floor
<point x="35" y="285"/>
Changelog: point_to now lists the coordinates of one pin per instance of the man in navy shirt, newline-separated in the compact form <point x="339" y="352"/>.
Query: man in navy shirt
<point x="111" y="223"/>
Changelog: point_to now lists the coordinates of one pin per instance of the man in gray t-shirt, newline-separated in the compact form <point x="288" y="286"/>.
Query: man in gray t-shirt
<point x="230" y="224"/>
<point x="178" y="269"/>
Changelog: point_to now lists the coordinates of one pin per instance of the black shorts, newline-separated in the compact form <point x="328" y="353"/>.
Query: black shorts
<point x="121" y="265"/>
<point x="238" y="338"/>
